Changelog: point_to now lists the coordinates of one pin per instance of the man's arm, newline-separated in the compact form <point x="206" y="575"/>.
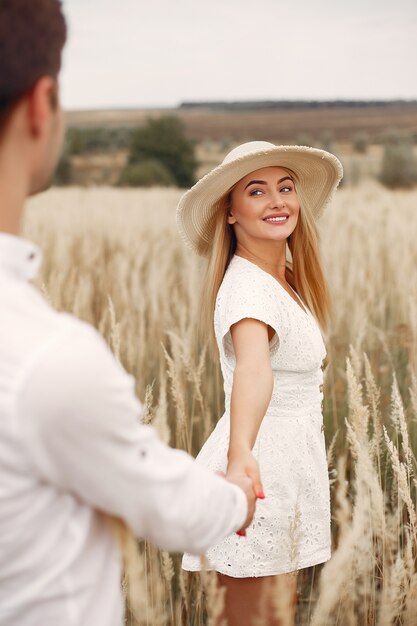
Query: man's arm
<point x="79" y="419"/>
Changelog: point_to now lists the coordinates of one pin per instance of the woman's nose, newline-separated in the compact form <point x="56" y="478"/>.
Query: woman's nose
<point x="277" y="201"/>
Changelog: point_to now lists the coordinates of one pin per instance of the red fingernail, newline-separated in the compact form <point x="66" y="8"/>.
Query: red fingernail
<point x="260" y="495"/>
<point x="241" y="533"/>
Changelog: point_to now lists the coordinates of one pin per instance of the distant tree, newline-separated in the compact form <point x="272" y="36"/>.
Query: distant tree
<point x="360" y="142"/>
<point x="226" y="144"/>
<point x="327" y="141"/>
<point x="354" y="173"/>
<point x="146" y="173"/>
<point x="64" y="174"/>
<point x="97" y="140"/>
<point x="304" y="139"/>
<point x="163" y="139"/>
<point x="390" y="135"/>
<point x="399" y="167"/>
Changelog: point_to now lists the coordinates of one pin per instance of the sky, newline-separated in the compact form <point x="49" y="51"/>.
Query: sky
<point x="130" y="53"/>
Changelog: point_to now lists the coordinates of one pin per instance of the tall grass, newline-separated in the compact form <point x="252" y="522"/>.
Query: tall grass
<point x="113" y="258"/>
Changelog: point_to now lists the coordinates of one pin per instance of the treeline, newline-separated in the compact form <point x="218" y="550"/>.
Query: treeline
<point x="277" y="105"/>
<point x="97" y="139"/>
<point x="159" y="153"/>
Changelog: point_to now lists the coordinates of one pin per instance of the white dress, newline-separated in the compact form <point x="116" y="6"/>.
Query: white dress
<point x="291" y="527"/>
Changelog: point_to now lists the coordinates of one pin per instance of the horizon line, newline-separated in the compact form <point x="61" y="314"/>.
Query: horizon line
<point x="242" y="102"/>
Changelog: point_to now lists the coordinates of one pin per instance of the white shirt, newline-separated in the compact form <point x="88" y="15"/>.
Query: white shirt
<point x="70" y="447"/>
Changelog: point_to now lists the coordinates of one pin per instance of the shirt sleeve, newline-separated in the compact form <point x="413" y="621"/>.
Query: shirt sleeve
<point x="251" y="295"/>
<point x="79" y="418"/>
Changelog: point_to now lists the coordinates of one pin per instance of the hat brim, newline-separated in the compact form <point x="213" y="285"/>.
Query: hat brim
<point x="317" y="175"/>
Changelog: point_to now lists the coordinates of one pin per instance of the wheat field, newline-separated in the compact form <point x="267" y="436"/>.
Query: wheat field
<point x="113" y="257"/>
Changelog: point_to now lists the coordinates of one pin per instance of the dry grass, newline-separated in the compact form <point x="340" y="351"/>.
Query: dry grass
<point x="113" y="258"/>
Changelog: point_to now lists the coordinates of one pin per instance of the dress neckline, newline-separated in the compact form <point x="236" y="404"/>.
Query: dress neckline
<point x="302" y="307"/>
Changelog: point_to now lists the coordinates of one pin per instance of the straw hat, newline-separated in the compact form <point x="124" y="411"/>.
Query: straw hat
<point x="317" y="174"/>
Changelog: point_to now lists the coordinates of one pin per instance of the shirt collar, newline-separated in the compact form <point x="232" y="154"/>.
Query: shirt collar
<point x="19" y="257"/>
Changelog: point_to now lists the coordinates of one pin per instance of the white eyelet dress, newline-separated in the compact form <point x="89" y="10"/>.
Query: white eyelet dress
<point x="291" y="527"/>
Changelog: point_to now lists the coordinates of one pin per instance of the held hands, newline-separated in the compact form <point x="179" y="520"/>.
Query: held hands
<point x="243" y="470"/>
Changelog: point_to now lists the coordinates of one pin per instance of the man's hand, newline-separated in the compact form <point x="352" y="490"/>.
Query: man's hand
<point x="245" y="483"/>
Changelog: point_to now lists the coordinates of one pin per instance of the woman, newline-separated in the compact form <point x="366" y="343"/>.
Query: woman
<point x="254" y="218"/>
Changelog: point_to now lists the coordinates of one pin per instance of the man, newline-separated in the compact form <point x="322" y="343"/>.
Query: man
<point x="71" y="449"/>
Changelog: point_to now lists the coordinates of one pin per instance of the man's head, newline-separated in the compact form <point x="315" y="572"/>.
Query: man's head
<point x="32" y="35"/>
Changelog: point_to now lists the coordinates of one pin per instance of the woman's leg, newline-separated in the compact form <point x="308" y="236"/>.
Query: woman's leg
<point x="263" y="601"/>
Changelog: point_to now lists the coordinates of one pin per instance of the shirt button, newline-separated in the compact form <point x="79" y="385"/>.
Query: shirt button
<point x="31" y="256"/>
<point x="321" y="388"/>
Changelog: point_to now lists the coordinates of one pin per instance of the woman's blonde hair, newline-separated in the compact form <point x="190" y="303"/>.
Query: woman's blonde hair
<point x="304" y="274"/>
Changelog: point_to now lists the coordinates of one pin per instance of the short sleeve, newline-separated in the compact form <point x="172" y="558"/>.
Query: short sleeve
<point x="247" y="293"/>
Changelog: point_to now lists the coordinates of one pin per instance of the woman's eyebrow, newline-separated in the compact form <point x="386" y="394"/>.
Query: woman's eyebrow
<point x="263" y="182"/>
<point x="256" y="182"/>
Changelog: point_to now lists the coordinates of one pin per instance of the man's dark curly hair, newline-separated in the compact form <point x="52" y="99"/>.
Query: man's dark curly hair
<point x="32" y="35"/>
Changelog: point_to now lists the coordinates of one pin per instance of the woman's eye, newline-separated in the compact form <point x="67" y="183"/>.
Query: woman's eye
<point x="255" y="192"/>
<point x="286" y="189"/>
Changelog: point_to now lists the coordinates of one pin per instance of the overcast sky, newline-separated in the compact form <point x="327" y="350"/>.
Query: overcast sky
<point x="133" y="53"/>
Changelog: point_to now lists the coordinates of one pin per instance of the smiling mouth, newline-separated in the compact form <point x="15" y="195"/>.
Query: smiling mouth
<point x="277" y="219"/>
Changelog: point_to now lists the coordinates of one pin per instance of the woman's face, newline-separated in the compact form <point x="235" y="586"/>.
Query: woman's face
<point x="264" y="206"/>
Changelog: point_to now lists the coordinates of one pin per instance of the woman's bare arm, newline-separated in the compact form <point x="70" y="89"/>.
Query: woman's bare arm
<point x="251" y="394"/>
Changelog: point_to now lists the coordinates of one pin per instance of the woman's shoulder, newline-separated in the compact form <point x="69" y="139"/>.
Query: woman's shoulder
<point x="244" y="281"/>
<point x="246" y="292"/>
<point x="242" y="272"/>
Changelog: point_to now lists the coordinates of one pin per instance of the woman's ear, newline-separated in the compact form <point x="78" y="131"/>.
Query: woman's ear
<point x="229" y="204"/>
<point x="230" y="217"/>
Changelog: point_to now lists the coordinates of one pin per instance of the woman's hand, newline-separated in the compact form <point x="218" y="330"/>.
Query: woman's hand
<point x="243" y="462"/>
<point x="245" y="483"/>
<point x="244" y="467"/>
